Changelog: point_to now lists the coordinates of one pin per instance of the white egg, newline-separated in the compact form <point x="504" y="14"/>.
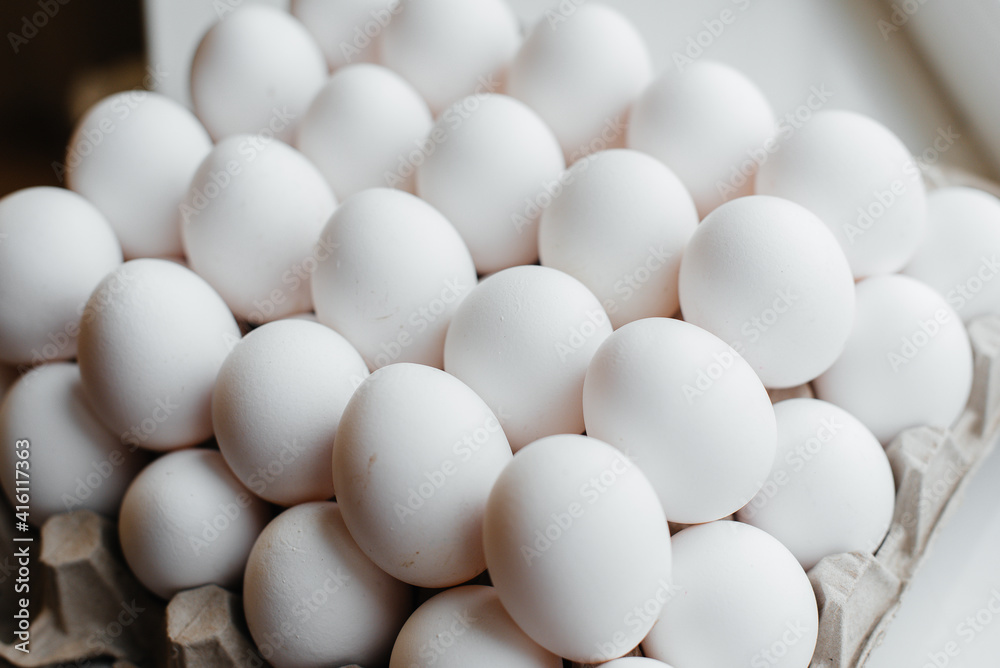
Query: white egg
<point x="362" y="129"/>
<point x="313" y="599"/>
<point x="491" y="166"/>
<point x="620" y="226"/>
<point x="276" y="405"/>
<point x="958" y="257"/>
<point x="415" y="457"/>
<point x="133" y="155"/>
<point x="450" y="48"/>
<point x="71" y="461"/>
<point x="831" y="489"/>
<point x="347" y="30"/>
<point x="581" y="71"/>
<point x="466" y="626"/>
<point x="740" y="599"/>
<point x="578" y="547"/>
<point x="55" y="247"/>
<point x="152" y="339"/>
<point x="393" y="273"/>
<point x="688" y="410"/>
<point x="859" y="178"/>
<point x="186" y="521"/>
<point x="767" y="277"/>
<point x="250" y="222"/>
<point x="706" y="122"/>
<point x="522" y="340"/>
<point x="907" y="363"/>
<point x="255" y="71"/>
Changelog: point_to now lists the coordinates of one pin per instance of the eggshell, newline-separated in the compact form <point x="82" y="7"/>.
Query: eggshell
<point x="578" y="547"/>
<point x="393" y="272"/>
<point x="276" y="405"/>
<point x="466" y="626"/>
<point x="688" y="410"/>
<point x="907" y="363"/>
<point x="73" y="461"/>
<point x="255" y="71"/>
<point x="250" y="222"/>
<point x="186" y="521"/>
<point x="313" y="599"/>
<point x="859" y="178"/>
<point x="831" y="488"/>
<point x="739" y="599"/>
<point x="706" y="122"/>
<point x="43" y="229"/>
<point x="581" y="71"/>
<point x="362" y="128"/>
<point x="620" y="226"/>
<point x="958" y="257"/>
<point x="491" y="166"/>
<point x="415" y="457"/>
<point x="133" y="155"/>
<point x="343" y="29"/>
<point x="767" y="277"/>
<point x="450" y="48"/>
<point x="152" y="339"/>
<point x="522" y="340"/>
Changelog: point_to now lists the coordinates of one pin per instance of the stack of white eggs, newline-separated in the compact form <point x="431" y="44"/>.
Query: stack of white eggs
<point x="399" y="169"/>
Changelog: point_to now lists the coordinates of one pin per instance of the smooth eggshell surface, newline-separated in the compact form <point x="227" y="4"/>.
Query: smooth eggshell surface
<point x="44" y="228"/>
<point x="312" y="599"/>
<point x="522" y="340"/>
<point x="907" y="363"/>
<point x="740" y="599"/>
<point x="768" y="278"/>
<point x="276" y="406"/>
<point x="342" y="29"/>
<point x="688" y="410"/>
<point x="152" y="339"/>
<point x="415" y="457"/>
<point x="73" y="461"/>
<point x="250" y="221"/>
<point x="466" y="626"/>
<point x="859" y="178"/>
<point x="578" y="547"/>
<point x="393" y="272"/>
<point x="186" y="521"/>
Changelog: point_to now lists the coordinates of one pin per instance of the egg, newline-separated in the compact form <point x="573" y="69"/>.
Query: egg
<point x="634" y="662"/>
<point x="908" y="361"/>
<point x="766" y="276"/>
<point x="688" y="410"/>
<point x="362" y="129"/>
<point x="70" y="459"/>
<point x="466" y="626"/>
<point x="347" y="31"/>
<point x="581" y="71"/>
<point x="255" y="71"/>
<point x="277" y="402"/>
<point x="250" y="221"/>
<point x="152" y="339"/>
<point x="313" y="599"/>
<point x="620" y="226"/>
<point x="490" y="165"/>
<point x="831" y="489"/>
<point x="859" y="178"/>
<point x="450" y="48"/>
<point x="522" y="340"/>
<point x="186" y="521"/>
<point x="392" y="274"/>
<point x="132" y="155"/>
<point x="414" y="460"/>
<point x="958" y="257"/>
<point x="740" y="599"/>
<point x="707" y="122"/>
<point x="578" y="547"/>
<point x="40" y="309"/>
